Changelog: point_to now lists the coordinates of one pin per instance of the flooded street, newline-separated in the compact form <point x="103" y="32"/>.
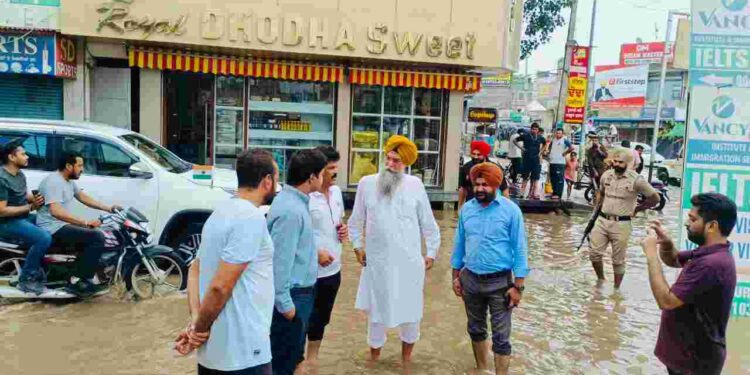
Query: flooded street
<point x="565" y="325"/>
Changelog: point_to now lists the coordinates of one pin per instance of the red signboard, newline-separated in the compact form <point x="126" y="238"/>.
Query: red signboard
<point x="643" y="53"/>
<point x="575" y="102"/>
<point x="65" y="57"/>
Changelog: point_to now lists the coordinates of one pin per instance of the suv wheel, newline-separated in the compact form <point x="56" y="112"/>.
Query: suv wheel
<point x="186" y="244"/>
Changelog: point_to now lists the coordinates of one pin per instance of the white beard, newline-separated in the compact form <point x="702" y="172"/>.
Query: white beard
<point x="388" y="182"/>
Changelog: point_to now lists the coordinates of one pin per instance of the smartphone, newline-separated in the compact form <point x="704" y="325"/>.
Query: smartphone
<point x="35" y="192"/>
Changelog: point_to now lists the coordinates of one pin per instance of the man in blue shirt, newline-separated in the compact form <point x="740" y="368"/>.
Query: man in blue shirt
<point x="295" y="259"/>
<point x="489" y="265"/>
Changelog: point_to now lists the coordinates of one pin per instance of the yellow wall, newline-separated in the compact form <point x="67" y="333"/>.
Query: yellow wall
<point x="480" y="29"/>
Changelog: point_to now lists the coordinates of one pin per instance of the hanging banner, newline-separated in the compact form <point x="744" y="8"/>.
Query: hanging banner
<point x="575" y="102"/>
<point x="717" y="156"/>
<point x="620" y="86"/>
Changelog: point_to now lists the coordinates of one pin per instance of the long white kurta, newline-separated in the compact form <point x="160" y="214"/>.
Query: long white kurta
<point x="391" y="286"/>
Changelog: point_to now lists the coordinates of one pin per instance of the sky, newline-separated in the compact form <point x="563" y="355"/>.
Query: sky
<point x="617" y="22"/>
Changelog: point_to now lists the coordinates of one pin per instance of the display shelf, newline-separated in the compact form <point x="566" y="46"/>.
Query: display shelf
<point x="304" y="108"/>
<point x="278" y="134"/>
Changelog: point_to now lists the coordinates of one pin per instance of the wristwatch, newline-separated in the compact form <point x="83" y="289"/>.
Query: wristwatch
<point x="520" y="289"/>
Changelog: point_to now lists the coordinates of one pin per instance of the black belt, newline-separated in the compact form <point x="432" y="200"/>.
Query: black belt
<point x="490" y="276"/>
<point x="615" y="218"/>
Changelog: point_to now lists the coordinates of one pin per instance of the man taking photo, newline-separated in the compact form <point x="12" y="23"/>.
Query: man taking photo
<point x="696" y="308"/>
<point x="60" y="192"/>
<point x="15" y="223"/>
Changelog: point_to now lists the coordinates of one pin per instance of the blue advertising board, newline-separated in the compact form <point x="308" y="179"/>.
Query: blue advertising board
<point x="27" y="53"/>
<point x="717" y="157"/>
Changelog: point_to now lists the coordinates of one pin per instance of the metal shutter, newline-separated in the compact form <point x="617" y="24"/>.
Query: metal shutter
<point x="31" y="96"/>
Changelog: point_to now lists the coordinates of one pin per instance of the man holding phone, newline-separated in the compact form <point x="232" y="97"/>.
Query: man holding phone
<point x="489" y="265"/>
<point x="16" y="204"/>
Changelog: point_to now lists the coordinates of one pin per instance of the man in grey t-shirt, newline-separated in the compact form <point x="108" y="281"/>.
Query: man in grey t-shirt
<point x="15" y="205"/>
<point x="60" y="193"/>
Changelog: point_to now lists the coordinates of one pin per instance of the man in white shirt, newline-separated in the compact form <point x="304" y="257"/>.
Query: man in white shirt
<point x="327" y="211"/>
<point x="230" y="284"/>
<point x="394" y="210"/>
<point x="514" y="154"/>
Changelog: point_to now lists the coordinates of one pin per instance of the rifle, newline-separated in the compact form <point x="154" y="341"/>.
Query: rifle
<point x="592" y="222"/>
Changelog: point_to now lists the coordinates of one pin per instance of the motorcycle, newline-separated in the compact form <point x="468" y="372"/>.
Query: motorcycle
<point x="660" y="187"/>
<point x="146" y="269"/>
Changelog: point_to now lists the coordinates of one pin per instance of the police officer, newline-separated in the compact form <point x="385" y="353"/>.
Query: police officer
<point x="620" y="188"/>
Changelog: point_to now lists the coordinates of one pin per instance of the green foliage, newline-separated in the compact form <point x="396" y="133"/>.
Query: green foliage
<point x="541" y="18"/>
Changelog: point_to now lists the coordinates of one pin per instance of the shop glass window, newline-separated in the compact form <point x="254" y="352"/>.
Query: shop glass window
<point x="228" y="137"/>
<point x="287" y="116"/>
<point x="413" y="113"/>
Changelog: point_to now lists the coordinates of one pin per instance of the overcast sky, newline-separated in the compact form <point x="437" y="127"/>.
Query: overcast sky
<point x="617" y="22"/>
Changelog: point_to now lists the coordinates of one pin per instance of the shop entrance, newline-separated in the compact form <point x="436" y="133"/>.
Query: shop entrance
<point x="190" y="115"/>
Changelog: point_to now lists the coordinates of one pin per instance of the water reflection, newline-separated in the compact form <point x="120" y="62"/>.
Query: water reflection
<point x="565" y="325"/>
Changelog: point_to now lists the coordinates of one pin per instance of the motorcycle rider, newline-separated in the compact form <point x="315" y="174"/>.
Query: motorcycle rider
<point x="16" y="204"/>
<point x="59" y="190"/>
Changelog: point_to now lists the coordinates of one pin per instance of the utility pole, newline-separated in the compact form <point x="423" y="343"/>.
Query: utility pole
<point x="662" y="78"/>
<point x="566" y="62"/>
<point x="581" y="153"/>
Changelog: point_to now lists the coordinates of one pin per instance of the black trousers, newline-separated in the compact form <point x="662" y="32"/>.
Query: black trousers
<point x="326" y="289"/>
<point x="257" y="370"/>
<point x="92" y="242"/>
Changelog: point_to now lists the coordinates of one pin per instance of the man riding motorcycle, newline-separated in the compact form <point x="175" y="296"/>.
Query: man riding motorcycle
<point x="16" y="204"/>
<point x="59" y="190"/>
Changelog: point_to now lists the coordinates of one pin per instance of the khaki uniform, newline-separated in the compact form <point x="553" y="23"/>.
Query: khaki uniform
<point x="620" y="199"/>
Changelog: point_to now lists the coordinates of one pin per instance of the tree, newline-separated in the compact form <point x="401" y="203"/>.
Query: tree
<point x="541" y="18"/>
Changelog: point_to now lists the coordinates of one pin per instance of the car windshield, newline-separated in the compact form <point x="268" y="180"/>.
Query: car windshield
<point x="157" y="153"/>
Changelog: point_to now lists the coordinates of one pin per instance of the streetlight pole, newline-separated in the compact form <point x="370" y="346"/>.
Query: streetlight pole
<point x="569" y="43"/>
<point x="662" y="78"/>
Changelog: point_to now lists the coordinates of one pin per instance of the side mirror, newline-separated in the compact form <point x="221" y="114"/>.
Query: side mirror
<point x="139" y="170"/>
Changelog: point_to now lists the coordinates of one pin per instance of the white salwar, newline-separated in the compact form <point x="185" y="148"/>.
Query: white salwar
<point x="391" y="286"/>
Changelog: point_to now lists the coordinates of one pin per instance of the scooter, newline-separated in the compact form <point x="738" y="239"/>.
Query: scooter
<point x="131" y="257"/>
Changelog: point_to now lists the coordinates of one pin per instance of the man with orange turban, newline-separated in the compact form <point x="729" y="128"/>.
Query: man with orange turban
<point x="392" y="212"/>
<point x="480" y="152"/>
<point x="489" y="266"/>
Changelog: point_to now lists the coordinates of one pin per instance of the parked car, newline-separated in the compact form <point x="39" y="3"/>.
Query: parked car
<point x="126" y="168"/>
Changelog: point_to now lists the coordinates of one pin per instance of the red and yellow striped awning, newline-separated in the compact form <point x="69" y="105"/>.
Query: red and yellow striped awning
<point x="399" y="78"/>
<point x="224" y="65"/>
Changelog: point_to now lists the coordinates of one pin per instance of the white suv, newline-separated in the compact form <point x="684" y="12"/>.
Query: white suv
<point x="125" y="168"/>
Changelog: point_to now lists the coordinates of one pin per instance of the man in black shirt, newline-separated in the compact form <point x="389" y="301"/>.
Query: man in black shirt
<point x="533" y="145"/>
<point x="480" y="152"/>
<point x="639" y="168"/>
<point x="15" y="205"/>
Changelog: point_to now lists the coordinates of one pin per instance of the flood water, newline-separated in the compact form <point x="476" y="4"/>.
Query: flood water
<point x="565" y="325"/>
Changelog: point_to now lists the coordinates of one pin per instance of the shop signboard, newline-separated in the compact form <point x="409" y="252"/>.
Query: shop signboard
<point x="30" y="14"/>
<point x="667" y="113"/>
<point x="65" y="57"/>
<point x="620" y="86"/>
<point x="501" y="80"/>
<point x="482" y="114"/>
<point x="38" y="54"/>
<point x="644" y="53"/>
<point x="575" y="101"/>
<point x="27" y="53"/>
<point x="717" y="156"/>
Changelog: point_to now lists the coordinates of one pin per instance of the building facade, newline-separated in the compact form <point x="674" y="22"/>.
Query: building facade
<point x="208" y="79"/>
